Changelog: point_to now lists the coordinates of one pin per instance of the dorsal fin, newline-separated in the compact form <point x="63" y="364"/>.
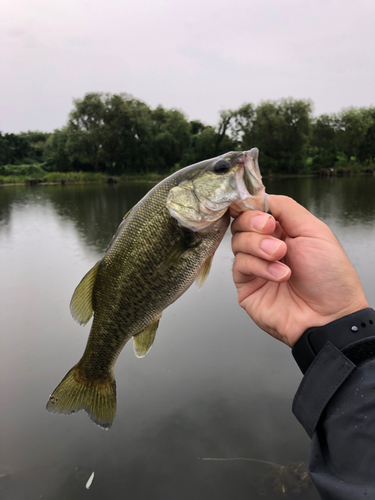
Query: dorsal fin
<point x="142" y="342"/>
<point x="127" y="214"/>
<point x="81" y="305"/>
<point x="203" y="273"/>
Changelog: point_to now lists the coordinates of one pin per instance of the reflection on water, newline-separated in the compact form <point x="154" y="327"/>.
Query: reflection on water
<point x="212" y="386"/>
<point x="346" y="200"/>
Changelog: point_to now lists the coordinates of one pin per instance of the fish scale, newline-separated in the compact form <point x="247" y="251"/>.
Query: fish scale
<point x="156" y="254"/>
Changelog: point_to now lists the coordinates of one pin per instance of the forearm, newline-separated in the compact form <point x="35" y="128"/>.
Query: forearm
<point x="336" y="405"/>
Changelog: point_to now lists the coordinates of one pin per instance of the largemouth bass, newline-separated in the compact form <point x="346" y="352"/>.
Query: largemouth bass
<point x="164" y="244"/>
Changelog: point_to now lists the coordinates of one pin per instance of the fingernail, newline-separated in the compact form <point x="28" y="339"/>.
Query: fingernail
<point x="259" y="221"/>
<point x="277" y="270"/>
<point x="269" y="246"/>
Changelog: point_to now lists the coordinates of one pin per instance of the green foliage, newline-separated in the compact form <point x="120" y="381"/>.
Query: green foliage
<point x="366" y="149"/>
<point x="34" y="170"/>
<point x="37" y="141"/>
<point x="116" y="134"/>
<point x="170" y="137"/>
<point x="281" y="131"/>
<point x="13" y="148"/>
<point x="124" y="133"/>
<point x="323" y="147"/>
<point x="352" y="127"/>
<point x="26" y="147"/>
<point x="84" y="130"/>
<point x="242" y="125"/>
<point x="56" y="153"/>
<point x="203" y="145"/>
<point x="74" y="177"/>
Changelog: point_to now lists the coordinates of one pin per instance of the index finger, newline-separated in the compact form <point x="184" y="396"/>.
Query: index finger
<point x="254" y="220"/>
<point x="293" y="217"/>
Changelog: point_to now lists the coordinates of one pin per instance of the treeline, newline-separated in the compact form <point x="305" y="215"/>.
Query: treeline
<point x="119" y="134"/>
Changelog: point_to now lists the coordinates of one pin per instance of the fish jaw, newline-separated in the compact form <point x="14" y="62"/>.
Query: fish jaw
<point x="192" y="210"/>
<point x="200" y="225"/>
<point x="255" y="197"/>
<point x="198" y="202"/>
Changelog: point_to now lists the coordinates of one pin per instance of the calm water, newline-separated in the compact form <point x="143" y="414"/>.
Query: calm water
<point x="213" y="385"/>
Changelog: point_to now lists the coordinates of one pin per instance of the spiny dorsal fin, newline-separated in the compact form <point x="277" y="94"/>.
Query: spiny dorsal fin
<point x="127" y="214"/>
<point x="142" y="342"/>
<point x="203" y="273"/>
<point x="81" y="305"/>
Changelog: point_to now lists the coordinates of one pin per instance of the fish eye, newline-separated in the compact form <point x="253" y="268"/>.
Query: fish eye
<point x="221" y="167"/>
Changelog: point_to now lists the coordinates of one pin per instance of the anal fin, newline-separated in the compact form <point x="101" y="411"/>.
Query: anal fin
<point x="142" y="342"/>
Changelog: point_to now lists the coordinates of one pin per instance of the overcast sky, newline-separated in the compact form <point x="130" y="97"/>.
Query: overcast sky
<point x="199" y="56"/>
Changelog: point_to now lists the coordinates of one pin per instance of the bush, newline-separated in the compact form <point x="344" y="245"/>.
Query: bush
<point x="34" y="170"/>
<point x="74" y="177"/>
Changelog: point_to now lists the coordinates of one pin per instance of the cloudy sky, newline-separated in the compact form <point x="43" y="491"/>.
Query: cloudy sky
<point x="199" y="56"/>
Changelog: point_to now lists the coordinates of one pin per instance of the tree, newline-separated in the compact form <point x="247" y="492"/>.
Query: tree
<point x="366" y="150"/>
<point x="123" y="132"/>
<point x="84" y="129"/>
<point x="37" y="141"/>
<point x="55" y="152"/>
<point x="202" y="143"/>
<point x="171" y="138"/>
<point x="13" y="148"/>
<point x="223" y="142"/>
<point x="242" y="125"/>
<point x="323" y="141"/>
<point x="352" y="125"/>
<point x="281" y="131"/>
<point x="119" y="134"/>
<point x="4" y="150"/>
<point x="205" y="144"/>
<point x="196" y="127"/>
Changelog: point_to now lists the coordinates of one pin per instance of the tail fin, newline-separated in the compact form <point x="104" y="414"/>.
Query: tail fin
<point x="96" y="397"/>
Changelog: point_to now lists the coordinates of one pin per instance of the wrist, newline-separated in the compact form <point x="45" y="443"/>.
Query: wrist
<point x="309" y="320"/>
<point x="341" y="333"/>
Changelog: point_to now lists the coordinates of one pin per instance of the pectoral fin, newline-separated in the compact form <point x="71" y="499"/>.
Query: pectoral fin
<point x="174" y="256"/>
<point x="143" y="341"/>
<point x="81" y="305"/>
<point x="203" y="273"/>
<point x="178" y="250"/>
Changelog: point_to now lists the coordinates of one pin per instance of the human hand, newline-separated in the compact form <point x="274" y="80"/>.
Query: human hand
<point x="290" y="271"/>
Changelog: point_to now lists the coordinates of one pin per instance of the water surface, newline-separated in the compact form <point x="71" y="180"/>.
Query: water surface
<point x="213" y="385"/>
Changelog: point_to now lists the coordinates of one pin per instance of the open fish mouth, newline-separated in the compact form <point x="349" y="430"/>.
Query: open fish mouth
<point x="251" y="191"/>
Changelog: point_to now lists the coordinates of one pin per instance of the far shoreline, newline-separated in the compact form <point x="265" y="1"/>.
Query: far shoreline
<point x="65" y="178"/>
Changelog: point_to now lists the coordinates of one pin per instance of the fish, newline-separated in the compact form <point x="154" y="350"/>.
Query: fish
<point x="164" y="243"/>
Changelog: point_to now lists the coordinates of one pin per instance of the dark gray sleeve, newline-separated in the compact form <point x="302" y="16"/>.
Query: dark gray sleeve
<point x="335" y="403"/>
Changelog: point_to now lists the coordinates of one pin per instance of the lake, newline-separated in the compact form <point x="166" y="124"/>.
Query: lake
<point x="213" y="386"/>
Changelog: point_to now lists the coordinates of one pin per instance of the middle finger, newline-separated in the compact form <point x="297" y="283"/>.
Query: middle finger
<point x="263" y="246"/>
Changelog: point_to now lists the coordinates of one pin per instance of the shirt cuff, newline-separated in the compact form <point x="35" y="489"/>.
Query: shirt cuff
<point x="341" y="333"/>
<point x="325" y="375"/>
